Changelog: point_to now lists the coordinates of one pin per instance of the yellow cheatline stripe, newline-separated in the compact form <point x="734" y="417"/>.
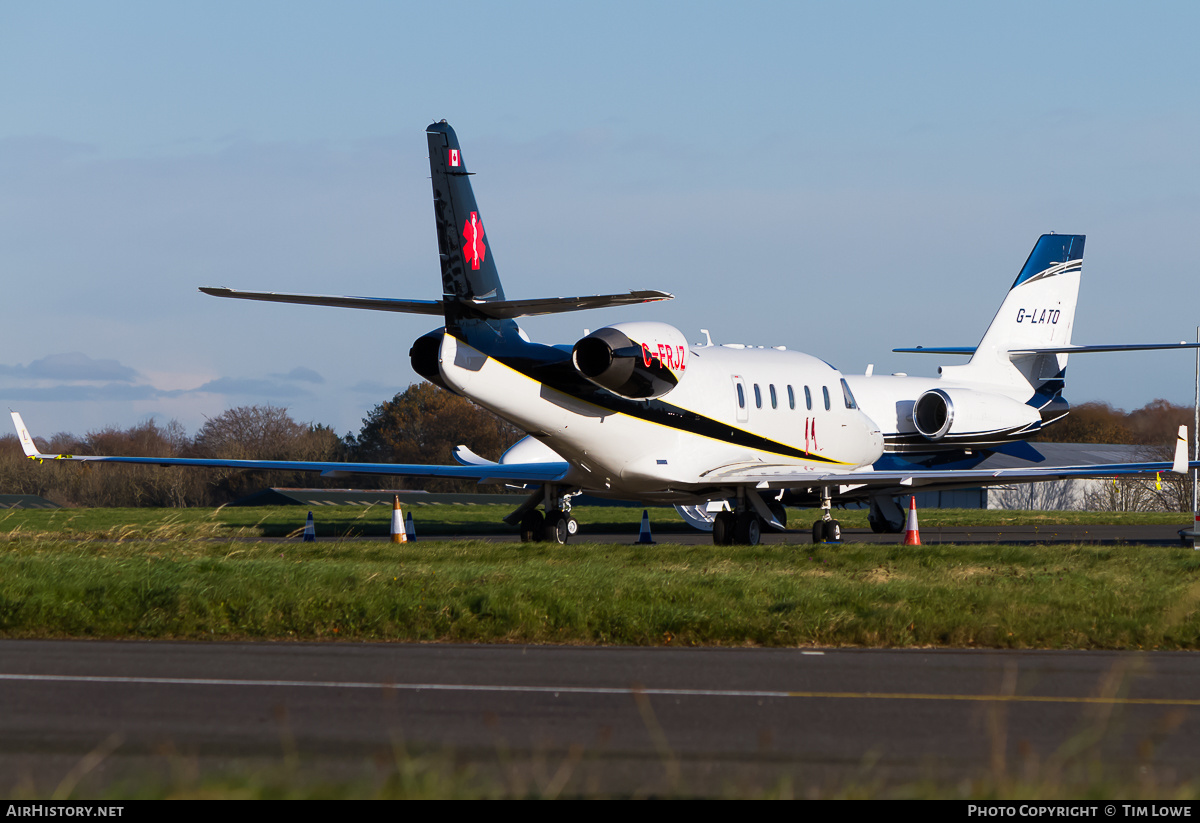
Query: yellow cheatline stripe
<point x="814" y="459"/>
<point x="1002" y="698"/>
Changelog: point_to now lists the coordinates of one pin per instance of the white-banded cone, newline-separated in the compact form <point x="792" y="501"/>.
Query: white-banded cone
<point x="912" y="537"/>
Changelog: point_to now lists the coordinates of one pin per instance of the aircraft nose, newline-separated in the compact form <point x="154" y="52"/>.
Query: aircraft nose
<point x="874" y="437"/>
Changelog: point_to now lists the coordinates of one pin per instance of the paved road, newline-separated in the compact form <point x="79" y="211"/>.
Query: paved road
<point x="560" y="719"/>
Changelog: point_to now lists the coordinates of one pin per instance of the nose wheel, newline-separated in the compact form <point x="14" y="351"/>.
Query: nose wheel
<point x="826" y="530"/>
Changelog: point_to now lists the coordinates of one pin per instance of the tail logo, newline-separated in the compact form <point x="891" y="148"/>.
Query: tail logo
<point x="454" y="160"/>
<point x="473" y="249"/>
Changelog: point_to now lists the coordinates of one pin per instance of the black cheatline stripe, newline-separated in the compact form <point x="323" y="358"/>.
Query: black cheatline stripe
<point x="562" y="377"/>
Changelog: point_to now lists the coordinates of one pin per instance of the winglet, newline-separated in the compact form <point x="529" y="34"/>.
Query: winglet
<point x="26" y="440"/>
<point x="1181" y="462"/>
<point x="466" y="457"/>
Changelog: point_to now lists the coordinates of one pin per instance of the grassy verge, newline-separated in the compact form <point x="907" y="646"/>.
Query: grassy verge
<point x="476" y="591"/>
<point x="446" y="519"/>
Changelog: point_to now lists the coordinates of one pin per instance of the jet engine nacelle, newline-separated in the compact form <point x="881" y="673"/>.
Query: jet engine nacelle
<point x="959" y="414"/>
<point x="639" y="361"/>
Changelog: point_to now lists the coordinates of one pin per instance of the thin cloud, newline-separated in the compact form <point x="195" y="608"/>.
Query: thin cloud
<point x="72" y="366"/>
<point x="302" y="374"/>
<point x="249" y="387"/>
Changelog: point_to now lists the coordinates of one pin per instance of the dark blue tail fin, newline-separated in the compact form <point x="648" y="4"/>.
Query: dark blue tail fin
<point x="468" y="262"/>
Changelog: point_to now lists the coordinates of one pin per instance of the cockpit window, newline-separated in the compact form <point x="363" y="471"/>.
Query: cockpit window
<point x="850" y="404"/>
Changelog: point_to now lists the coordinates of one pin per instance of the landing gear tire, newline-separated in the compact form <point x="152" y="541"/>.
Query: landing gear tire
<point x="827" y="531"/>
<point x="877" y="526"/>
<point x="723" y="528"/>
<point x="532" y="526"/>
<point x="557" y="529"/>
<point x="749" y="530"/>
<point x="572" y="526"/>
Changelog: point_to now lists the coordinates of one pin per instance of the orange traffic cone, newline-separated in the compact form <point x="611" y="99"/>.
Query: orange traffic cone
<point x="912" y="537"/>
<point x="398" y="533"/>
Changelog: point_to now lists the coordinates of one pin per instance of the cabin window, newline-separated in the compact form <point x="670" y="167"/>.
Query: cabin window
<point x="850" y="404"/>
<point x="825" y="392"/>
<point x="791" y="398"/>
<point x="757" y="397"/>
<point x="807" y="398"/>
<point x="774" y="402"/>
<point x="741" y="397"/>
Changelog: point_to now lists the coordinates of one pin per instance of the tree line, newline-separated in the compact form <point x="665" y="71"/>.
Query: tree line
<point x="419" y="425"/>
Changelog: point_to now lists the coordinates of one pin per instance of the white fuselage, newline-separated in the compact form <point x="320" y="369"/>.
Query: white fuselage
<point x="673" y="455"/>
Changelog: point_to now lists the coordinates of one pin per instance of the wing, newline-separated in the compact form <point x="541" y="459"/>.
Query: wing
<point x="483" y="472"/>
<point x="766" y="476"/>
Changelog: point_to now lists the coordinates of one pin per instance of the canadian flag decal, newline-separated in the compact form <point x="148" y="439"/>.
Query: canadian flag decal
<point x="473" y="248"/>
<point x="454" y="161"/>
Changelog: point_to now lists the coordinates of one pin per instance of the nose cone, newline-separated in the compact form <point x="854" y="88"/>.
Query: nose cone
<point x="872" y="441"/>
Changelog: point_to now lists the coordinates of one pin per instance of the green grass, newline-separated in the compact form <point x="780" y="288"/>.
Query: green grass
<point x="475" y="591"/>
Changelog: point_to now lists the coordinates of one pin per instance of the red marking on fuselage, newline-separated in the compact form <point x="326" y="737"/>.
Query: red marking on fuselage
<point x="473" y="248"/>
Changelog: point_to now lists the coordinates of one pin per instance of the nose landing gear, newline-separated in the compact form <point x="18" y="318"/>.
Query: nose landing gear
<point x="826" y="530"/>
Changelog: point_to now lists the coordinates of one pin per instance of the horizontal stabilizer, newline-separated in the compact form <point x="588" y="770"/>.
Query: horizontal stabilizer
<point x="376" y="303"/>
<point x="967" y="350"/>
<point x="500" y="309"/>
<point x="1089" y="349"/>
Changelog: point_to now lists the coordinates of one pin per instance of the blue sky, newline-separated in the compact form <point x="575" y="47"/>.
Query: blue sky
<point x="837" y="178"/>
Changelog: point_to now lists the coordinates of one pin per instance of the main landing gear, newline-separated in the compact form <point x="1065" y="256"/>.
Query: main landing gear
<point x="737" y="528"/>
<point x="826" y="530"/>
<point x="556" y="526"/>
<point x="744" y="525"/>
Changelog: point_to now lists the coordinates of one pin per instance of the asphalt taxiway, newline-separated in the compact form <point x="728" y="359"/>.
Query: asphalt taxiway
<point x="569" y="720"/>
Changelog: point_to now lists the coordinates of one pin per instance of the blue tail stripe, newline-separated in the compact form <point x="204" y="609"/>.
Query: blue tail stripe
<point x="1051" y="249"/>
